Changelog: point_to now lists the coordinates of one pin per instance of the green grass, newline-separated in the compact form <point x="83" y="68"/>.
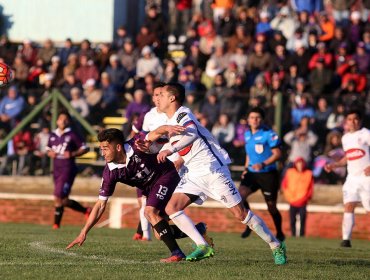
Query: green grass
<point x="37" y="252"/>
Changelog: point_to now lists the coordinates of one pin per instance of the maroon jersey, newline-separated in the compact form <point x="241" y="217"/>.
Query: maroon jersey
<point x="59" y="143"/>
<point x="141" y="170"/>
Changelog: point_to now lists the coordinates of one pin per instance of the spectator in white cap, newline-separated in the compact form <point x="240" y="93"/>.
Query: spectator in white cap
<point x="148" y="63"/>
<point x="117" y="73"/>
<point x="79" y="103"/>
<point x="356" y="28"/>
<point x="284" y="22"/>
<point x="93" y="96"/>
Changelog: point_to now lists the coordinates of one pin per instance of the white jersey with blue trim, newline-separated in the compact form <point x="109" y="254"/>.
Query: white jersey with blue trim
<point x="204" y="155"/>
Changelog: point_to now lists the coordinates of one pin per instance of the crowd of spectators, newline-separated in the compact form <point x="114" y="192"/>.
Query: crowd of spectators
<point x="234" y="55"/>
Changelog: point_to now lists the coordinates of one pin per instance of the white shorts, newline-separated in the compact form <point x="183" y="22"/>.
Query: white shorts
<point x="217" y="185"/>
<point x="357" y="188"/>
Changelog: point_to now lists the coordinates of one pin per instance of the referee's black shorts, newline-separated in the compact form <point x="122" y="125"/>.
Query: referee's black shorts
<point x="268" y="182"/>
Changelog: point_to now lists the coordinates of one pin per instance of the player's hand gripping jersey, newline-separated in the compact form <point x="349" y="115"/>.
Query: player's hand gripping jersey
<point x="356" y="147"/>
<point x="196" y="145"/>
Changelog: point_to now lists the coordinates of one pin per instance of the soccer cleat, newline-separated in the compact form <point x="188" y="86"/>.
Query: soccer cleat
<point x="55" y="226"/>
<point x="246" y="232"/>
<point x="87" y="213"/>
<point x="279" y="254"/>
<point x="137" y="236"/>
<point x="201" y="252"/>
<point x="177" y="257"/>
<point x="346" y="244"/>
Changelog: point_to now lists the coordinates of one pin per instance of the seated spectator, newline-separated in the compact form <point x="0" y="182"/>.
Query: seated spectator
<point x="23" y="150"/>
<point x="239" y="38"/>
<point x="284" y="22"/>
<point x="211" y="107"/>
<point x="327" y="27"/>
<point x="148" y="63"/>
<point x="138" y="105"/>
<point x="320" y="79"/>
<point x="301" y="142"/>
<point x="263" y="26"/>
<point x="362" y="58"/>
<point x="240" y="58"/>
<point x="322" y="55"/>
<point x="71" y="66"/>
<point x="11" y="107"/>
<point x="86" y="50"/>
<point x="129" y="56"/>
<point x="41" y="139"/>
<point x="302" y="109"/>
<point x="79" y="103"/>
<point x="355" y="28"/>
<point x="336" y="118"/>
<point x="258" y="61"/>
<point x="170" y="73"/>
<point x="322" y="113"/>
<point x="66" y="51"/>
<point x="146" y="38"/>
<point x="276" y="39"/>
<point x="297" y="186"/>
<point x="193" y="103"/>
<point x="8" y="50"/>
<point x="109" y="102"/>
<point x="239" y="142"/>
<point x="35" y="72"/>
<point x="209" y="75"/>
<point x="86" y="70"/>
<point x="21" y="70"/>
<point x="333" y="152"/>
<point x="28" y="52"/>
<point x="92" y="94"/>
<point x="47" y="51"/>
<point x="56" y="70"/>
<point x="224" y="131"/>
<point x="350" y="72"/>
<point x="299" y="38"/>
<point x="119" y="38"/>
<point x="261" y="90"/>
<point x="103" y="56"/>
<point x="118" y="75"/>
<point x="69" y="83"/>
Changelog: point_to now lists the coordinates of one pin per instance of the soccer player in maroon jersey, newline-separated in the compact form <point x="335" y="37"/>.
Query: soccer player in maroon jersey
<point x="63" y="147"/>
<point x="128" y="165"/>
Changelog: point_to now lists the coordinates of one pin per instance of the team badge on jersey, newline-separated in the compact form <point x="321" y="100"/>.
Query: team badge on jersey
<point x="180" y="116"/>
<point x="258" y="148"/>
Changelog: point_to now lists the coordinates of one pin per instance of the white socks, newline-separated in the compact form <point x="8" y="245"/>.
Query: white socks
<point x="145" y="225"/>
<point x="186" y="225"/>
<point x="347" y="225"/>
<point x="258" y="226"/>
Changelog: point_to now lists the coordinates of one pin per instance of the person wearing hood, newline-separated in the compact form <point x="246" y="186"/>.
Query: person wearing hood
<point x="11" y="106"/>
<point x="297" y="186"/>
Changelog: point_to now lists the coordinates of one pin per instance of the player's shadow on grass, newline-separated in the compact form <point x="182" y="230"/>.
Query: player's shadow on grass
<point x="359" y="263"/>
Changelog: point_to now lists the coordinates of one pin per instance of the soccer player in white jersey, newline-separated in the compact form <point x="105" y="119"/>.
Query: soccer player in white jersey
<point x="207" y="175"/>
<point x="356" y="188"/>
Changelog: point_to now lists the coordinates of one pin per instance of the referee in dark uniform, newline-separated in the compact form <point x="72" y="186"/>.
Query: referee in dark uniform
<point x="262" y="146"/>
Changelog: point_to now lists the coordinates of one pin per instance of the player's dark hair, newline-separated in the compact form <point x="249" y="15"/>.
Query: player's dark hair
<point x="158" y="84"/>
<point x="354" y="111"/>
<point x="65" y="112"/>
<point x="257" y="110"/>
<point x="177" y="90"/>
<point x="111" y="135"/>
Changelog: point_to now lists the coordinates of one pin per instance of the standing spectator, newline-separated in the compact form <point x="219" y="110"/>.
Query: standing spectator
<point x="146" y="38"/>
<point x="63" y="147"/>
<point x="297" y="186"/>
<point x="181" y="18"/>
<point x="156" y="23"/>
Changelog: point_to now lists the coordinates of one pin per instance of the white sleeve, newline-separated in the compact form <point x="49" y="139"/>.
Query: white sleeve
<point x="186" y="138"/>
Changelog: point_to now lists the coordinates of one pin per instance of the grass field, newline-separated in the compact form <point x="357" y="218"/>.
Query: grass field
<point x="37" y="252"/>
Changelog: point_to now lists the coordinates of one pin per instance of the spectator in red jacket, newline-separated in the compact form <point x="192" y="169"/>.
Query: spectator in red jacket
<point x="349" y="72"/>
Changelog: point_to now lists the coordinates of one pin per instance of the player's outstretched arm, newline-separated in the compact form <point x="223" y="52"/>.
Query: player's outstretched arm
<point x="168" y="130"/>
<point x="94" y="217"/>
<point x="330" y="166"/>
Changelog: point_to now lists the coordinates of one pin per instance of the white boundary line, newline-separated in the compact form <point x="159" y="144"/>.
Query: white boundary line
<point x="41" y="246"/>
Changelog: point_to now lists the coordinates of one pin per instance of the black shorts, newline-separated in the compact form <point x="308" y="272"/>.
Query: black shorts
<point x="268" y="182"/>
